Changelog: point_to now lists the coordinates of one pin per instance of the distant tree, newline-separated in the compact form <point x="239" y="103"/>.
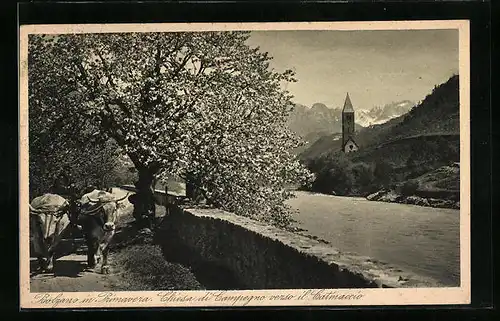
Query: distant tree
<point x="383" y="173"/>
<point x="363" y="177"/>
<point x="333" y="174"/>
<point x="85" y="165"/>
<point x="202" y="105"/>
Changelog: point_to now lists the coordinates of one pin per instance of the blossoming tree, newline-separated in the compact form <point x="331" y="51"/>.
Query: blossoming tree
<point x="202" y="105"/>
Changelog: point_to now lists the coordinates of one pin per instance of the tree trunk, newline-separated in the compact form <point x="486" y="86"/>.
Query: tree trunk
<point x="192" y="190"/>
<point x="144" y="201"/>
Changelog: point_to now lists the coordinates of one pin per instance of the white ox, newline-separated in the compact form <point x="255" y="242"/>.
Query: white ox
<point x="49" y="218"/>
<point x="98" y="214"/>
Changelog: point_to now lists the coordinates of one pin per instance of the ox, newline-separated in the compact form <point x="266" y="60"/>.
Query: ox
<point x="97" y="217"/>
<point x="49" y="218"/>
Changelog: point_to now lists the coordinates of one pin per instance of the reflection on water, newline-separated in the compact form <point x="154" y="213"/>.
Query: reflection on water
<point x="424" y="240"/>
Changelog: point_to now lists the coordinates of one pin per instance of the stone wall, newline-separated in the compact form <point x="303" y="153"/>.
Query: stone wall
<point x="246" y="254"/>
<point x="160" y="197"/>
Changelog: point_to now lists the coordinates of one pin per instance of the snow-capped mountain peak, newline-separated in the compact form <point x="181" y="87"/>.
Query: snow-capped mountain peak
<point x="379" y="115"/>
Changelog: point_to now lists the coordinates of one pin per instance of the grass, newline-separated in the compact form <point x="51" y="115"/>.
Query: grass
<point x="145" y="269"/>
<point x="445" y="178"/>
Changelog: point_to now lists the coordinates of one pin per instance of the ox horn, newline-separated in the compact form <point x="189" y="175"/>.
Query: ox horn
<point x="93" y="201"/>
<point x="37" y="211"/>
<point x="124" y="197"/>
<point x="118" y="200"/>
<point x="34" y="209"/>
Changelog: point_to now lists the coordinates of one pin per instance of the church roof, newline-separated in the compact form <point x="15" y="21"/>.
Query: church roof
<point x="348" y="105"/>
<point x="350" y="139"/>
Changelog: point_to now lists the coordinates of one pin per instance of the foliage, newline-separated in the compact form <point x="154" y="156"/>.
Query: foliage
<point x="205" y="106"/>
<point x="382" y="173"/>
<point x="363" y="178"/>
<point x="333" y="174"/>
<point x="86" y="165"/>
<point x="342" y="175"/>
<point x="409" y="188"/>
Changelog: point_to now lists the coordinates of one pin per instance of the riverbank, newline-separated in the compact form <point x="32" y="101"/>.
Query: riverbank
<point x="422" y="240"/>
<point x="439" y="188"/>
<point x="392" y="196"/>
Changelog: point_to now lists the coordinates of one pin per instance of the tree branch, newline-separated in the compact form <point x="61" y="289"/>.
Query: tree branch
<point x="86" y="78"/>
<point x="106" y="68"/>
<point x="158" y="60"/>
<point x="181" y="65"/>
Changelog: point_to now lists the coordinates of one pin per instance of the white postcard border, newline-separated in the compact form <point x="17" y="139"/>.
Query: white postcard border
<point x="298" y="297"/>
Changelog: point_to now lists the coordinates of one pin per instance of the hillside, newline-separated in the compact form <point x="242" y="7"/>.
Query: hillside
<point x="413" y="155"/>
<point x="428" y="136"/>
<point x="411" y="147"/>
<point x="321" y="146"/>
<point x="311" y="138"/>
<point x="438" y="113"/>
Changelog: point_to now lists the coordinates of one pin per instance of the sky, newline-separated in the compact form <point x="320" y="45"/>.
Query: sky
<point x="375" y="67"/>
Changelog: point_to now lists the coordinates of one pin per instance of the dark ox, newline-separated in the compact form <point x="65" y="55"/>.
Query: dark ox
<point x="97" y="217"/>
<point x="49" y="218"/>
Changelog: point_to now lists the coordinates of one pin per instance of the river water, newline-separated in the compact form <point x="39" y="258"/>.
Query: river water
<point x="423" y="240"/>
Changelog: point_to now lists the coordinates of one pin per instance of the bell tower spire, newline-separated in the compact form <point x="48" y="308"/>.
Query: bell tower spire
<point x="348" y="129"/>
<point x="348" y="105"/>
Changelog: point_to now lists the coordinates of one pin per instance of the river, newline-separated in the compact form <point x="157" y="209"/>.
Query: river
<point x="423" y="240"/>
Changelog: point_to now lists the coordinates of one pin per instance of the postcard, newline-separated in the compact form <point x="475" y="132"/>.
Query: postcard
<point x="244" y="164"/>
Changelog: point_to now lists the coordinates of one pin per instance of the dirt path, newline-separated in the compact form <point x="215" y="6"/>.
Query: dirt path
<point x="70" y="274"/>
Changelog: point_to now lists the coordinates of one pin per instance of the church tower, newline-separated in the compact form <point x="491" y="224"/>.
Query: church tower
<point x="348" y="143"/>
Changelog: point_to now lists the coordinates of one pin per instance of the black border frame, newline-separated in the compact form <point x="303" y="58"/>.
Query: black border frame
<point x="479" y="14"/>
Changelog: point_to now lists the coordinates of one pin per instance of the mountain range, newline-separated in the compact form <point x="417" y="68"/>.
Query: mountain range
<point x="320" y="120"/>
<point x="379" y="115"/>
